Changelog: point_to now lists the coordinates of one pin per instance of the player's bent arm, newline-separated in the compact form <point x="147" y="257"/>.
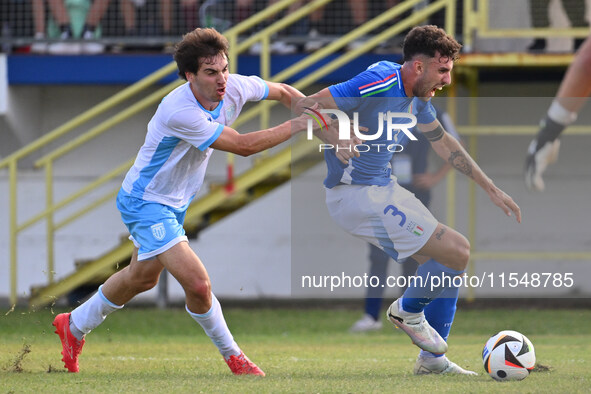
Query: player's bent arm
<point x="450" y="150"/>
<point x="257" y="141"/>
<point x="322" y="98"/>
<point x="283" y="93"/>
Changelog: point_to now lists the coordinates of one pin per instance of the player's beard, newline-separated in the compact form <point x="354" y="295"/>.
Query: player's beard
<point x="421" y="91"/>
<point x="425" y="93"/>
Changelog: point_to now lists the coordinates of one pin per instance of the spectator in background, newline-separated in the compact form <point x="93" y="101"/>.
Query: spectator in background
<point x="218" y="14"/>
<point x="59" y="10"/>
<point x="575" y="10"/>
<point x="360" y="12"/>
<point x="359" y="15"/>
<point x="39" y="45"/>
<point x="411" y="170"/>
<point x="154" y="26"/>
<point x="247" y="8"/>
<point x="190" y="13"/>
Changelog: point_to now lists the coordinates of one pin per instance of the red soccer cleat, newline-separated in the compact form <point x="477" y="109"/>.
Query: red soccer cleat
<point x="241" y="365"/>
<point x="72" y="347"/>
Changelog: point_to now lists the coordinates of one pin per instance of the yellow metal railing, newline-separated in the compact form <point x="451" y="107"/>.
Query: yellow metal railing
<point x="477" y="22"/>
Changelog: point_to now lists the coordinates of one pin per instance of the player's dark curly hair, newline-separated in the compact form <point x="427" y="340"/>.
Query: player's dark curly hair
<point x="196" y="47"/>
<point x="428" y="39"/>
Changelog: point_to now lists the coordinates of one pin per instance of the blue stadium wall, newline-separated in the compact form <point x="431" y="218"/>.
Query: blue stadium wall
<point x="127" y="69"/>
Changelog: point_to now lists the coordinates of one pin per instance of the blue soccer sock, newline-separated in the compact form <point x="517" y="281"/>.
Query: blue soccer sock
<point x="433" y="279"/>
<point x="373" y="306"/>
<point x="440" y="314"/>
<point x="378" y="268"/>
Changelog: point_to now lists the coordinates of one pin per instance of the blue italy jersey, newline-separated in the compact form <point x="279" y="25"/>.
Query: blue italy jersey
<point x="372" y="94"/>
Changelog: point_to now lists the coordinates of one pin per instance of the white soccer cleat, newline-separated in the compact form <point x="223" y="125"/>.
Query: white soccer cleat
<point x="365" y="324"/>
<point x="537" y="161"/>
<point x="439" y="365"/>
<point x="417" y="328"/>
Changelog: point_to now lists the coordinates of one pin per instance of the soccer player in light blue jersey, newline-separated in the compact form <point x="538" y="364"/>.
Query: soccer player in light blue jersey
<point x="364" y="198"/>
<point x="190" y="122"/>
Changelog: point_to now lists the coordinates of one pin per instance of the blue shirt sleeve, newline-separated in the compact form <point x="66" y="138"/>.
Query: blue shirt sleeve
<point x="426" y="113"/>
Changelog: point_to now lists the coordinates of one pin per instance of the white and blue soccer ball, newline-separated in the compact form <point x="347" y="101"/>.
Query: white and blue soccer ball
<point x="508" y="355"/>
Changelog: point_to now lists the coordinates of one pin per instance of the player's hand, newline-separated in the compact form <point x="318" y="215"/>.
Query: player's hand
<point x="345" y="149"/>
<point x="311" y="112"/>
<point x="505" y="202"/>
<point x="536" y="162"/>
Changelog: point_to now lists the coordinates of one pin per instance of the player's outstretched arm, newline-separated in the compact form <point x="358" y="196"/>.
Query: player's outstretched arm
<point x="284" y="93"/>
<point x="450" y="150"/>
<point x="257" y="141"/>
<point x="344" y="146"/>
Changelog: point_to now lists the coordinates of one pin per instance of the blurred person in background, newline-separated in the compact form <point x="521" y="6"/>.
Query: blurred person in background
<point x="39" y="45"/>
<point x="570" y="98"/>
<point x="154" y="20"/>
<point x="575" y="10"/>
<point x="60" y="12"/>
<point x="247" y="8"/>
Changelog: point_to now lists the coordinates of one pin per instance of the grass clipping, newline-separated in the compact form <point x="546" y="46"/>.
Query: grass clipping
<point x="17" y="364"/>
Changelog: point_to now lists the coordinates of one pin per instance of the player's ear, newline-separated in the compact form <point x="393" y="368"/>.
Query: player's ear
<point x="418" y="66"/>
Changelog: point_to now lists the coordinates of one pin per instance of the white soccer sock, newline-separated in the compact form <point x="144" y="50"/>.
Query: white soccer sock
<point x="90" y="314"/>
<point x="215" y="327"/>
<point x="561" y="115"/>
<point x="426" y="354"/>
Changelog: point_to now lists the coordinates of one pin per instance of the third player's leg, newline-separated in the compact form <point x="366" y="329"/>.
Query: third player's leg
<point x="448" y="247"/>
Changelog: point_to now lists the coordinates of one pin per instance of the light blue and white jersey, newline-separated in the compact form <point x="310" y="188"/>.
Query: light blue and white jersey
<point x="378" y="89"/>
<point x="170" y="167"/>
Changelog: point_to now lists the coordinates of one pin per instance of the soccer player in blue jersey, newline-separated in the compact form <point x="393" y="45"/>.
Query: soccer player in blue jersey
<point x="190" y="122"/>
<point x="365" y="200"/>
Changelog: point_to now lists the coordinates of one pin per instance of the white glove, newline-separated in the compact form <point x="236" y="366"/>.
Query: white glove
<point x="537" y="161"/>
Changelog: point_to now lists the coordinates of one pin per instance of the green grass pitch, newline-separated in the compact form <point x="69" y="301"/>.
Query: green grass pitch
<point x="301" y="350"/>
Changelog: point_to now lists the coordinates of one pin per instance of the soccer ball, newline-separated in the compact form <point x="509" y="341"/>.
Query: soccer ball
<point x="508" y="355"/>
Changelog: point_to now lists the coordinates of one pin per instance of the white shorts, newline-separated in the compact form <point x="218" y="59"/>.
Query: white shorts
<point x="389" y="217"/>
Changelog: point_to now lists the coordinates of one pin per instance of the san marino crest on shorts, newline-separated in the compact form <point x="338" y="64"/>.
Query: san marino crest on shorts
<point x="415" y="229"/>
<point x="158" y="231"/>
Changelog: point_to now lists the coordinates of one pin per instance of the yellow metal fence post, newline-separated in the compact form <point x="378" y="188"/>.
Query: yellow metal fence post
<point x="12" y="168"/>
<point x="49" y="220"/>
<point x="472" y="76"/>
<point x="450" y="18"/>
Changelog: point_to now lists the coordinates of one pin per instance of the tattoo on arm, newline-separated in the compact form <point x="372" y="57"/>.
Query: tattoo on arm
<point x="434" y="135"/>
<point x="440" y="233"/>
<point x="459" y="161"/>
